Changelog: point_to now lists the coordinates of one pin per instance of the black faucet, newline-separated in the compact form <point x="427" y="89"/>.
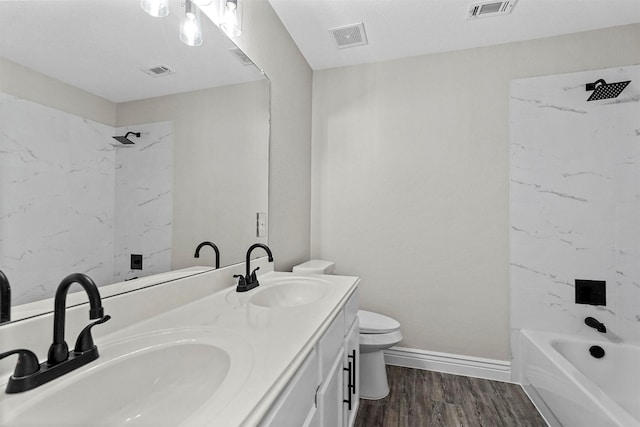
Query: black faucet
<point x="5" y="299"/>
<point x="250" y="280"/>
<point x="215" y="248"/>
<point x="58" y="351"/>
<point x="593" y="323"/>
<point x="29" y="373"/>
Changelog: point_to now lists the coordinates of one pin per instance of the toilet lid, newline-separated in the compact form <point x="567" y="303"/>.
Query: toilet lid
<point x="374" y="323"/>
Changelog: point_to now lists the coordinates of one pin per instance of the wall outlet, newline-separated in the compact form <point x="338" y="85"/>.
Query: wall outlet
<point x="136" y="262"/>
<point x="261" y="224"/>
<point x="592" y="292"/>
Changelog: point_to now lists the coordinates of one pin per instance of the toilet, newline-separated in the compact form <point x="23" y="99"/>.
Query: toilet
<point x="377" y="333"/>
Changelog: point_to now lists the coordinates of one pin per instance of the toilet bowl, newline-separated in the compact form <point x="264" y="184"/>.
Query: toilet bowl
<point x="377" y="333"/>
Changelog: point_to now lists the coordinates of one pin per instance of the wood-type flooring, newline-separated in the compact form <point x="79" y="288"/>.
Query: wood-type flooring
<point x="420" y="398"/>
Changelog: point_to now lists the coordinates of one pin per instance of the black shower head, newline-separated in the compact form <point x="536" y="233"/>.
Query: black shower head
<point x="125" y="139"/>
<point x="604" y="90"/>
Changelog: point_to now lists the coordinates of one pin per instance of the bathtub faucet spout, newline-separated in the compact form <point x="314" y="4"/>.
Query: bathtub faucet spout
<point x="593" y="323"/>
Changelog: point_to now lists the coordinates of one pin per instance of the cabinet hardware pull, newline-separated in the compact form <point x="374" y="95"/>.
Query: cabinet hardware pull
<point x="348" y="400"/>
<point x="352" y="383"/>
<point x="350" y="371"/>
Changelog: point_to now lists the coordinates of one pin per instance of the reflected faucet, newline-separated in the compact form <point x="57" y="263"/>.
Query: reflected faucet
<point x="250" y="280"/>
<point x="215" y="248"/>
<point x="595" y="324"/>
<point x="5" y="299"/>
<point x="29" y="373"/>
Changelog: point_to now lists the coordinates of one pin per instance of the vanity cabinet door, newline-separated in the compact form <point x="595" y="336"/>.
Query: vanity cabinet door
<point x="350" y="387"/>
<point x="330" y="395"/>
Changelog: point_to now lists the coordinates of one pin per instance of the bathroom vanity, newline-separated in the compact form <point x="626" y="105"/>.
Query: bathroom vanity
<point x="194" y="352"/>
<point x="324" y="391"/>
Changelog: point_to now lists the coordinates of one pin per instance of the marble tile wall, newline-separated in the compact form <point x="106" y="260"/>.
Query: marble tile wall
<point x="60" y="176"/>
<point x="575" y="202"/>
<point x="144" y="200"/>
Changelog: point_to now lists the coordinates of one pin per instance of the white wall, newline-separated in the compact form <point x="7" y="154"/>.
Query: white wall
<point x="25" y="83"/>
<point x="269" y="45"/>
<point x="575" y="203"/>
<point x="410" y="184"/>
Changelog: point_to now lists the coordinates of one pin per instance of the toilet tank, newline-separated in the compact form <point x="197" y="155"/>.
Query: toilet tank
<point x="315" y="266"/>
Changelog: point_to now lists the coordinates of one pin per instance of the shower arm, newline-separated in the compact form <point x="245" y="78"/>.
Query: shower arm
<point x="594" y="85"/>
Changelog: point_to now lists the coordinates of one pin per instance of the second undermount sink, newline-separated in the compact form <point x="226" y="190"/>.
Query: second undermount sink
<point x="157" y="379"/>
<point x="290" y="292"/>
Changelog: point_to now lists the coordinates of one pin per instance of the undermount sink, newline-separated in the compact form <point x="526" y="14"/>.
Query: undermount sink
<point x="157" y="379"/>
<point x="290" y="292"/>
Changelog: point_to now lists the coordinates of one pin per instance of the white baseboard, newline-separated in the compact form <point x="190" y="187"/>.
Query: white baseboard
<point x="457" y="364"/>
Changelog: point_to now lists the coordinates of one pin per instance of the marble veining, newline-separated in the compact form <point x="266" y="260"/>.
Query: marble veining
<point x="575" y="202"/>
<point x="144" y="199"/>
<point x="72" y="199"/>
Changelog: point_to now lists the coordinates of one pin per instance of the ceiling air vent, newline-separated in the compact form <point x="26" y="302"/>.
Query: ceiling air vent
<point x="490" y="8"/>
<point x="158" y="71"/>
<point x="349" y="35"/>
<point x="241" y="56"/>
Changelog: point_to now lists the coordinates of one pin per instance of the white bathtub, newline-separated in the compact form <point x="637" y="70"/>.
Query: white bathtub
<point x="572" y="388"/>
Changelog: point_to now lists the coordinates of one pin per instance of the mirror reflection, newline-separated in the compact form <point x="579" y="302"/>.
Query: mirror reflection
<point x="122" y="148"/>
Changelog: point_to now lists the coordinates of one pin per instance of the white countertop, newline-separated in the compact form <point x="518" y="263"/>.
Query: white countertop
<point x="278" y="340"/>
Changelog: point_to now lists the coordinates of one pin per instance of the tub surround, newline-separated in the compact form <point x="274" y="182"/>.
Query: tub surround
<point x="575" y="191"/>
<point x="277" y="340"/>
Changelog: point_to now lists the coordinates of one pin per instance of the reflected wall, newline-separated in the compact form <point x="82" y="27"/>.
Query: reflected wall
<point x="220" y="166"/>
<point x="75" y="199"/>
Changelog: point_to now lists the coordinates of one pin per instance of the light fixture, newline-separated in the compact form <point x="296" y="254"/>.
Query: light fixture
<point x="156" y="8"/>
<point x="191" y="25"/>
<point x="231" y="22"/>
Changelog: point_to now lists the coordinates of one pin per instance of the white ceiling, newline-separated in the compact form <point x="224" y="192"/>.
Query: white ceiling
<point x="402" y="28"/>
<point x="102" y="45"/>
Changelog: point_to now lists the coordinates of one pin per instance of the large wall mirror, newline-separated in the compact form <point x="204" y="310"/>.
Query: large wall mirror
<point x="74" y="74"/>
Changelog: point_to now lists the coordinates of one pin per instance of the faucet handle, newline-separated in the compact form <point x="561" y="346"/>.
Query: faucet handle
<point x="27" y="362"/>
<point x="254" y="278"/>
<point x="85" y="340"/>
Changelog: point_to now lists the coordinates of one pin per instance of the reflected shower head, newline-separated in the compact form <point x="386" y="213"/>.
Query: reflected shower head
<point x="125" y="139"/>
<point x="604" y="90"/>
